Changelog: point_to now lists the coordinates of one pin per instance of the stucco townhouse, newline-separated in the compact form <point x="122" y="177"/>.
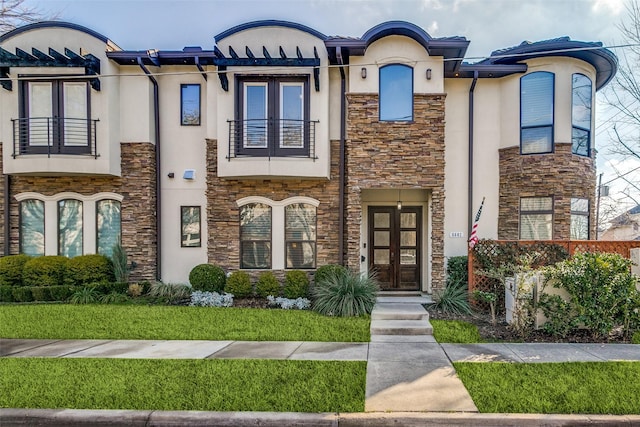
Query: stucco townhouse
<point x="277" y="147"/>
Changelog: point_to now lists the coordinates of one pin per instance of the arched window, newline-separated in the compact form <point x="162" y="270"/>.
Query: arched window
<point x="536" y="113"/>
<point x="69" y="227"/>
<point x="396" y="93"/>
<point x="32" y="227"/>
<point x="581" y="97"/>
<point x="300" y="235"/>
<point x="255" y="236"/>
<point x="108" y="226"/>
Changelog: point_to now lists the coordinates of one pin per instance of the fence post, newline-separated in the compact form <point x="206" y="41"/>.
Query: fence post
<point x="471" y="278"/>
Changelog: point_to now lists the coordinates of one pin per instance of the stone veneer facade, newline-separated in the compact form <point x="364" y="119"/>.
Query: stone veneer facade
<point x="137" y="185"/>
<point x="402" y="155"/>
<point x="223" y="214"/>
<point x="561" y="174"/>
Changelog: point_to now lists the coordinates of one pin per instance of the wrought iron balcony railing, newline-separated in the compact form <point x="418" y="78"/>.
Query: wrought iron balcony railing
<point x="54" y="135"/>
<point x="272" y="138"/>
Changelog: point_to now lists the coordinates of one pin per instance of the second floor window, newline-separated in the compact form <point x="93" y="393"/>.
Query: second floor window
<point x="536" y="113"/>
<point x="396" y="93"/>
<point x="55" y="117"/>
<point x="581" y="115"/>
<point x="272" y="116"/>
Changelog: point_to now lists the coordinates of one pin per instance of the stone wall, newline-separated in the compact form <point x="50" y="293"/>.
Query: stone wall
<point x="561" y="174"/>
<point x="402" y="155"/>
<point x="223" y="214"/>
<point x="136" y="185"/>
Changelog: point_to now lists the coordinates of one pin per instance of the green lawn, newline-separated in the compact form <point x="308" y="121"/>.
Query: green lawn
<point x="554" y="388"/>
<point x="455" y="331"/>
<point x="203" y="385"/>
<point x="62" y="321"/>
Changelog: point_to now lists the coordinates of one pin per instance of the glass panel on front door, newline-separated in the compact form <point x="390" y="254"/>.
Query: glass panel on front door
<point x="394" y="246"/>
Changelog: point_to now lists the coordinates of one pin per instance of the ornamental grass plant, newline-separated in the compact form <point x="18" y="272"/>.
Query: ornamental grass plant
<point x="345" y="293"/>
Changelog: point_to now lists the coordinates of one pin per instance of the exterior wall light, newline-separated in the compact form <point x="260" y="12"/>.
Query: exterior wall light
<point x="399" y="201"/>
<point x="428" y="73"/>
<point x="363" y="73"/>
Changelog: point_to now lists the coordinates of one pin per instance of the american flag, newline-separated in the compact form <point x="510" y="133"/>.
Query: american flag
<point x="473" y="239"/>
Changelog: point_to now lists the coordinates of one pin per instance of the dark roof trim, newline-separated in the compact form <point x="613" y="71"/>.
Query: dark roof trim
<point x="487" y="70"/>
<point x="603" y="60"/>
<point x="51" y="24"/>
<point x="399" y="28"/>
<point x="268" y="23"/>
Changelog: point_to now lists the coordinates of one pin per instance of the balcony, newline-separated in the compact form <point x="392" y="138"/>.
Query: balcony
<point x="54" y="136"/>
<point x="272" y="138"/>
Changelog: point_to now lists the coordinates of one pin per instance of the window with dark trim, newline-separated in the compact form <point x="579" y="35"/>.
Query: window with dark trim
<point x="190" y="227"/>
<point x="300" y="235"/>
<point x="581" y="114"/>
<point x="579" y="219"/>
<point x="70" y="228"/>
<point x="396" y="93"/>
<point x="536" y="112"/>
<point x="32" y="227"/>
<point x="272" y="116"/>
<point x="536" y="218"/>
<point x="255" y="236"/>
<point x="55" y="117"/>
<point x="190" y="104"/>
<point x="108" y="226"/>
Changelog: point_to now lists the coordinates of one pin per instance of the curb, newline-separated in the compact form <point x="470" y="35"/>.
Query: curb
<point x="79" y="417"/>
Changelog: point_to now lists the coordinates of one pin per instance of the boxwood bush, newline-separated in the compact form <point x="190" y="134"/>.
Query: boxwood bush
<point x="207" y="278"/>
<point x="267" y="284"/>
<point x="6" y="293"/>
<point x="44" y="271"/>
<point x="22" y="294"/>
<point x="85" y="269"/>
<point x="296" y="284"/>
<point x="11" y="267"/>
<point x="239" y="284"/>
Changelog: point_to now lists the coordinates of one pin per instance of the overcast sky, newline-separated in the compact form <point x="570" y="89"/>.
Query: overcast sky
<point x="488" y="24"/>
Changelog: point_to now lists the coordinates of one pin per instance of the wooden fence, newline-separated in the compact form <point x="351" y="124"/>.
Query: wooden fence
<point x="550" y="252"/>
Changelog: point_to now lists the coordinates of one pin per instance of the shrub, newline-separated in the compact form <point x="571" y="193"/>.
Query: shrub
<point x="135" y="289"/>
<point x="350" y="294"/>
<point x="120" y="263"/>
<point x="22" y="294"/>
<point x="85" y="269"/>
<point x="11" y="267"/>
<point x="239" y="284"/>
<point x="561" y="319"/>
<point x="208" y="278"/>
<point x="211" y="299"/>
<point x="6" y="293"/>
<point x="453" y="298"/>
<point x="113" y="298"/>
<point x="602" y="291"/>
<point x="457" y="271"/>
<point x="44" y="271"/>
<point x="85" y="296"/>
<point x="296" y="284"/>
<point x="267" y="284"/>
<point x="636" y="338"/>
<point x="326" y="270"/>
<point x="61" y="293"/>
<point x="288" y="304"/>
<point x="170" y="292"/>
<point x="40" y="293"/>
<point x="104" y="288"/>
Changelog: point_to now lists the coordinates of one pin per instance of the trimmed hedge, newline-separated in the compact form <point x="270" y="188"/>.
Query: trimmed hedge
<point x="296" y="284"/>
<point x="85" y="269"/>
<point x="36" y="293"/>
<point x="267" y="284"/>
<point x="44" y="271"/>
<point x="11" y="267"/>
<point x="239" y="284"/>
<point x="207" y="278"/>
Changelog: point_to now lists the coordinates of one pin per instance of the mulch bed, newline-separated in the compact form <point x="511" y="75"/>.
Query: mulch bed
<point x="502" y="333"/>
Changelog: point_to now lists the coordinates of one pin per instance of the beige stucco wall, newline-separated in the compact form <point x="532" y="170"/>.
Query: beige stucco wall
<point x="104" y="104"/>
<point x="182" y="147"/>
<point x="273" y="38"/>
<point x="396" y="50"/>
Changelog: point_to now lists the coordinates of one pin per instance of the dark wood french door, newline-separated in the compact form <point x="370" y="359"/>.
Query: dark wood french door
<point x="395" y="246"/>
